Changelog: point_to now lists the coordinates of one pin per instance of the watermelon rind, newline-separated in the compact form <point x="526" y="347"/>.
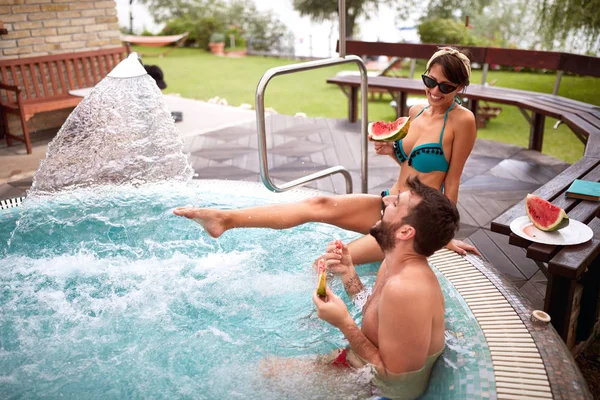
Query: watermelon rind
<point x="321" y="291"/>
<point x="322" y="280"/>
<point x="544" y="215"/>
<point x="391" y="136"/>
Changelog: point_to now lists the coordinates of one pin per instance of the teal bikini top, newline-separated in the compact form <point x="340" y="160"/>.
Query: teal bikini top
<point x="427" y="157"/>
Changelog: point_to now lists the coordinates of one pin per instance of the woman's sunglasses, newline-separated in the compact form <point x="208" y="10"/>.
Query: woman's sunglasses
<point x="444" y="87"/>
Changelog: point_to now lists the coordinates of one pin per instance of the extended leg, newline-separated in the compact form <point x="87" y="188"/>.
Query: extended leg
<point x="317" y="377"/>
<point x="365" y="250"/>
<point x="356" y="212"/>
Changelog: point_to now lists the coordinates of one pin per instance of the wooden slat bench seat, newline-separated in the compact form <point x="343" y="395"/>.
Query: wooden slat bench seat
<point x="572" y="295"/>
<point x="485" y="113"/>
<point x="33" y="85"/>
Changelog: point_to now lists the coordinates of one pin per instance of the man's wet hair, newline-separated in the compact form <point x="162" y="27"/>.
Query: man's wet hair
<point x="435" y="218"/>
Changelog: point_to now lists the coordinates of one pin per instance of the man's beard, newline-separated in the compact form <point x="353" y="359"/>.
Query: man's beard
<point x="385" y="235"/>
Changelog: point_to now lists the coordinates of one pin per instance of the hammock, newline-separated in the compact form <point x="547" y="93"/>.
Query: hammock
<point x="156" y="41"/>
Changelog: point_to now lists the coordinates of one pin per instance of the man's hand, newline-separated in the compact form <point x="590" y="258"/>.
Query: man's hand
<point x="337" y="258"/>
<point x="331" y="309"/>
<point x="461" y="247"/>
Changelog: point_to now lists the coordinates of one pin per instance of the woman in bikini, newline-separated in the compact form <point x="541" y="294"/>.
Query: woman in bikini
<point x="439" y="141"/>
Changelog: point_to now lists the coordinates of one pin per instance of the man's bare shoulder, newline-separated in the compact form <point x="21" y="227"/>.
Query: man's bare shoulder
<point x="413" y="282"/>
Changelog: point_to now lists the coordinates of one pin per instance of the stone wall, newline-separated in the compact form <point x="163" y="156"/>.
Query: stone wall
<point x="40" y="27"/>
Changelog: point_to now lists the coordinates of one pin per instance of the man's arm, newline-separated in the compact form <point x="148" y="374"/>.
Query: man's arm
<point x="352" y="283"/>
<point x="334" y="311"/>
<point x="361" y="345"/>
<point x="338" y="260"/>
<point x="404" y="330"/>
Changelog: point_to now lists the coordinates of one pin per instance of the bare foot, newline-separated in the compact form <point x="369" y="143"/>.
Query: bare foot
<point x="212" y="221"/>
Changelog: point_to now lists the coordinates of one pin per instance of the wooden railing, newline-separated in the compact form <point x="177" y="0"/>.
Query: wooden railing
<point x="555" y="61"/>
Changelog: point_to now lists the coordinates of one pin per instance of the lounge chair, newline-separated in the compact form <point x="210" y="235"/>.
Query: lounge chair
<point x="156" y="41"/>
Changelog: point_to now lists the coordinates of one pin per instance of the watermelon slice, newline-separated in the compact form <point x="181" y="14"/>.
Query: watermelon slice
<point x="544" y="215"/>
<point x="389" y="131"/>
<point x="322" y="280"/>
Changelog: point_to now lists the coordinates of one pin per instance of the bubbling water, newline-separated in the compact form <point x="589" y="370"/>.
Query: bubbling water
<point x="108" y="294"/>
<point x="105" y="293"/>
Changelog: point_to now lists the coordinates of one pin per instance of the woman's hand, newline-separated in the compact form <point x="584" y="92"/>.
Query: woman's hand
<point x="383" y="148"/>
<point x="461" y="247"/>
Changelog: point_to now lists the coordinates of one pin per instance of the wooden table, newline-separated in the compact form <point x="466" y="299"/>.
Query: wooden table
<point x="573" y="272"/>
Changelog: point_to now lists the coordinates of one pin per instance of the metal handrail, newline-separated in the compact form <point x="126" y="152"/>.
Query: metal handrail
<point x="260" y="115"/>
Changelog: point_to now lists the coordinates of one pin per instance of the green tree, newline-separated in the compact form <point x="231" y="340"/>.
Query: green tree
<point x="448" y="9"/>
<point x="320" y="10"/>
<point x="164" y="10"/>
<point x="263" y="28"/>
<point x="199" y="29"/>
<point x="550" y="24"/>
<point x="564" y="21"/>
<point x="201" y="18"/>
<point x="506" y="23"/>
<point x="445" y="31"/>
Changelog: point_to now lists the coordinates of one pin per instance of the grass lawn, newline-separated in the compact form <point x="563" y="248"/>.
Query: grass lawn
<point x="198" y="74"/>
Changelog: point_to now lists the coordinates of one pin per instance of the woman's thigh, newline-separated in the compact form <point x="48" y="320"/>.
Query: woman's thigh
<point x="356" y="212"/>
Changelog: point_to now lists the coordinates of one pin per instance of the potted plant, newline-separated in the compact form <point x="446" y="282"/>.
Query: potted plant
<point x="216" y="43"/>
<point x="235" y="45"/>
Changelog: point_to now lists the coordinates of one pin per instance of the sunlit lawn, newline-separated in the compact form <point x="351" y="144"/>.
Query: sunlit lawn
<point x="200" y="75"/>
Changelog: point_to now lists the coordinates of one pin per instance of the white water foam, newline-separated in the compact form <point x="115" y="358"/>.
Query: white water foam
<point x="121" y="133"/>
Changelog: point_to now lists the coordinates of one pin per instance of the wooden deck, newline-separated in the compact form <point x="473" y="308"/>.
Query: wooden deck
<point x="496" y="177"/>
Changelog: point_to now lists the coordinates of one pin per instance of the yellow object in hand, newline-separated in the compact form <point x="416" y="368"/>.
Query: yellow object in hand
<point x="322" y="279"/>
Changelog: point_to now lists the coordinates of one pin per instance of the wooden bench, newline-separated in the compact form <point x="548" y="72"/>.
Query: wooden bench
<point x="394" y="65"/>
<point x="38" y="84"/>
<point x="572" y="294"/>
<point x="485" y="113"/>
<point x="582" y="118"/>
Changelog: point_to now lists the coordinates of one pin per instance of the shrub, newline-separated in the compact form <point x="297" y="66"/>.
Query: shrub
<point x="236" y="31"/>
<point x="445" y="31"/>
<point x="178" y="26"/>
<point x="199" y="30"/>
<point x="217" y="37"/>
<point x="241" y="16"/>
<point x="265" y="31"/>
<point x="204" y="28"/>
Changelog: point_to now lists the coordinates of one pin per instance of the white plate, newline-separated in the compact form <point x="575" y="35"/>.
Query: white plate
<point x="575" y="233"/>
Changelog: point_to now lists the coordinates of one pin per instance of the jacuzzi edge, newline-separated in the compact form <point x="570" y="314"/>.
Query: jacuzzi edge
<point x="530" y="361"/>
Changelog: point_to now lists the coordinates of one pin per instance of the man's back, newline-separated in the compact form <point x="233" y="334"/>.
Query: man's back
<point x="405" y="314"/>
